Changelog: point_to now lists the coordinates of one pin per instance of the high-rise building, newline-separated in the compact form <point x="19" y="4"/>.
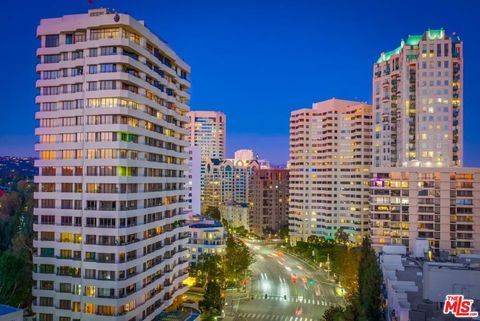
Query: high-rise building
<point x="418" y="102"/>
<point x="227" y="181"/>
<point x="193" y="184"/>
<point x="109" y="242"/>
<point x="441" y="205"/>
<point x="207" y="129"/>
<point x="268" y="200"/>
<point x="330" y="157"/>
<point x="245" y="155"/>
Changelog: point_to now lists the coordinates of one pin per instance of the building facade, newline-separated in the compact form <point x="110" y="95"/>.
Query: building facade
<point x="245" y="155"/>
<point x="207" y="236"/>
<point x="207" y="130"/>
<point x="227" y="181"/>
<point x="108" y="239"/>
<point x="418" y="102"/>
<point x="441" y="205"/>
<point x="193" y="174"/>
<point x="415" y="286"/>
<point x="236" y="214"/>
<point x="330" y="157"/>
<point x="268" y="201"/>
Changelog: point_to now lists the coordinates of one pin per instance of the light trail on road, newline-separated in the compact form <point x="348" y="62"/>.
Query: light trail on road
<point x="274" y="292"/>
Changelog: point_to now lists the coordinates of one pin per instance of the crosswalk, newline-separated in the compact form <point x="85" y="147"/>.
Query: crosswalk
<point x="295" y="299"/>
<point x="270" y="317"/>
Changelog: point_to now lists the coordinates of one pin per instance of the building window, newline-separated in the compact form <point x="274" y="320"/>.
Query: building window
<point x="50" y="59"/>
<point x="68" y="39"/>
<point x="52" y="41"/>
<point x="92" y="69"/>
<point x="107" y="51"/>
<point x="108" y="68"/>
<point x="93" y="52"/>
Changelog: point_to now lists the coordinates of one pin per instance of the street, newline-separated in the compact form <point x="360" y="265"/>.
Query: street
<point x="283" y="288"/>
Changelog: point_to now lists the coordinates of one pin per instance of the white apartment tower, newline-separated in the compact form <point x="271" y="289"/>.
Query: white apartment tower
<point x="330" y="157"/>
<point x="418" y="103"/>
<point x="207" y="129"/>
<point x="194" y="163"/>
<point x="108" y="239"/>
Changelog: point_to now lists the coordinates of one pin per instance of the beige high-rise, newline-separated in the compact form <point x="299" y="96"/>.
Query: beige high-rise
<point x="330" y="157"/>
<point x="418" y="103"/>
<point x="441" y="205"/>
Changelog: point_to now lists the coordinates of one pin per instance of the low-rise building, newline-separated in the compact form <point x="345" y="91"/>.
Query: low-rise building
<point x="206" y="236"/>
<point x="236" y="214"/>
<point x="416" y="288"/>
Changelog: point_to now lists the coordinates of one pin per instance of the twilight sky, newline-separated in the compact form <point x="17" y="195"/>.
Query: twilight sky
<point x="255" y="60"/>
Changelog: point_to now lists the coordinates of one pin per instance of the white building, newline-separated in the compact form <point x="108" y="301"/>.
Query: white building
<point x="330" y="157"/>
<point x="207" y="236"/>
<point x="245" y="155"/>
<point x="236" y="214"/>
<point x="416" y="289"/>
<point x="193" y="173"/>
<point x="108" y="239"/>
<point x="207" y="130"/>
<point x="418" y="102"/>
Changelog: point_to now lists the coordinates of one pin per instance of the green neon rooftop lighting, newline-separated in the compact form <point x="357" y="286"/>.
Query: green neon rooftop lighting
<point x="435" y="34"/>
<point x="413" y="40"/>
<point x="386" y="55"/>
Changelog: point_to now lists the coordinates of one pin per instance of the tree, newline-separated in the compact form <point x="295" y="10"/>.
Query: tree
<point x="15" y="280"/>
<point x="210" y="267"/>
<point x="370" y="284"/>
<point x="238" y="259"/>
<point x="283" y="232"/>
<point x="313" y="239"/>
<point x="333" y="313"/>
<point x="212" y="299"/>
<point x="213" y="212"/>
<point x="341" y="236"/>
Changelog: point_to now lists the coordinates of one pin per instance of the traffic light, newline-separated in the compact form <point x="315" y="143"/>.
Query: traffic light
<point x="311" y="282"/>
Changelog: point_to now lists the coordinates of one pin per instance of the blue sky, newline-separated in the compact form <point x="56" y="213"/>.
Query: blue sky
<point x="254" y="60"/>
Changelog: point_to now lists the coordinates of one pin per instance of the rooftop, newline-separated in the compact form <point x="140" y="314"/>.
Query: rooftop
<point x="6" y="309"/>
<point x="207" y="225"/>
<point x="415" y="287"/>
<point x="177" y="316"/>
<point x="414" y="40"/>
